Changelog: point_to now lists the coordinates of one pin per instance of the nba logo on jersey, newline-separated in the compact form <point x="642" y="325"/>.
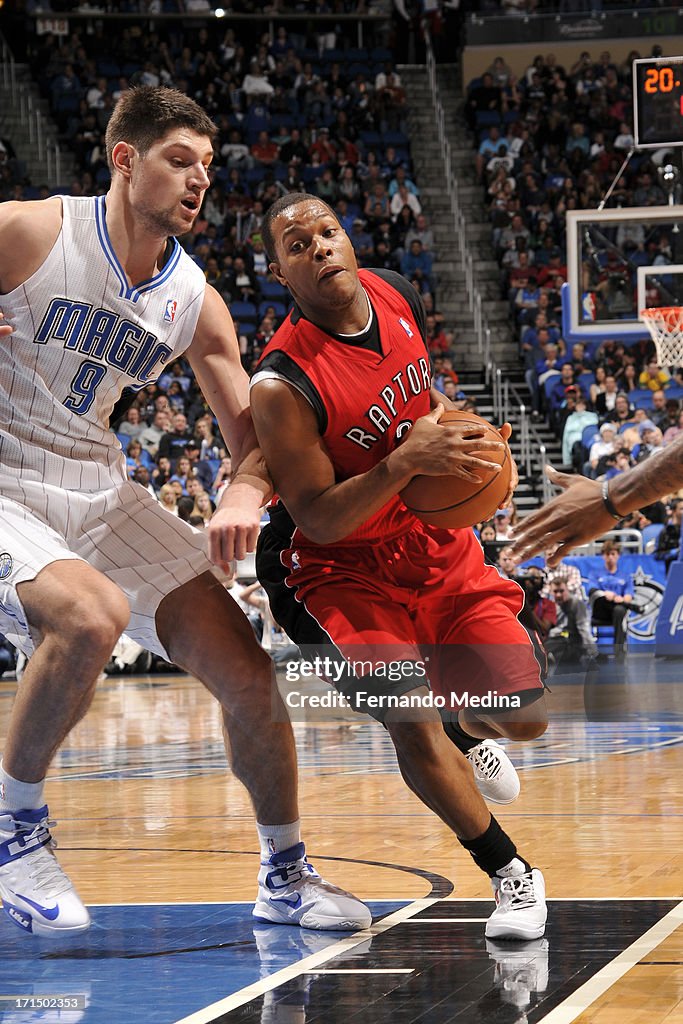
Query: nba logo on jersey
<point x="406" y="326"/>
<point x="5" y="565"/>
<point x="169" y="314"/>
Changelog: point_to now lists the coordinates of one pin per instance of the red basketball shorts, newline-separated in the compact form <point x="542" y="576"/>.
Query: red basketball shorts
<point x="425" y="597"/>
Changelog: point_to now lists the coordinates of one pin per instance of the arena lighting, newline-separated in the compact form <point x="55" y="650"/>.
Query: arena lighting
<point x="219" y="13"/>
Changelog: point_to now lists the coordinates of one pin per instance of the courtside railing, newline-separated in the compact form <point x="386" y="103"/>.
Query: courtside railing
<point x="482" y="331"/>
<point x="503" y="390"/>
<point x="39" y="130"/>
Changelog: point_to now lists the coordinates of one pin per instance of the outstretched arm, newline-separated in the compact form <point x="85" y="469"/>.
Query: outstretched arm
<point x="579" y="514"/>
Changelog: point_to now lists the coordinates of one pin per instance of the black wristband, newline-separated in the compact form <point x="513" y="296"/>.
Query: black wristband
<point x="607" y="502"/>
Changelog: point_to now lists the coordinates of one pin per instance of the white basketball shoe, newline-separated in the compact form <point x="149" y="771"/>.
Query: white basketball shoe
<point x="36" y="894"/>
<point x="494" y="773"/>
<point x="521" y="910"/>
<point x="290" y="891"/>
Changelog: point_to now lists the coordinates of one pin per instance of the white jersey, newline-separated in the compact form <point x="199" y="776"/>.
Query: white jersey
<point x="81" y="335"/>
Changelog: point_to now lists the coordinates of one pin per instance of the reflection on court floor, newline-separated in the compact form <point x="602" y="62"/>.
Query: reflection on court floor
<point x="212" y="963"/>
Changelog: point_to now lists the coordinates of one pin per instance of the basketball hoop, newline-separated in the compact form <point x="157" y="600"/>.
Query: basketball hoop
<point x="665" y="324"/>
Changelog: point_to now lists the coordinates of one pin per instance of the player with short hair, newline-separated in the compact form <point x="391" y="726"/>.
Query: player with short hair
<point x="341" y="401"/>
<point x="98" y="296"/>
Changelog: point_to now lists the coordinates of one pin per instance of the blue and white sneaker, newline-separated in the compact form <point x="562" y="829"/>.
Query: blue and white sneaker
<point x="290" y="891"/>
<point x="36" y="894"/>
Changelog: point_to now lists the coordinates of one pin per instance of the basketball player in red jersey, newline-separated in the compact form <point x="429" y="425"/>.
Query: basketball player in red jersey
<point x="345" y="415"/>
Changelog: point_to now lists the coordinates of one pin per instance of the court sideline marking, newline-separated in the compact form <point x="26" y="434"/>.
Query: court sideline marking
<point x="579" y="1001"/>
<point x="308" y="964"/>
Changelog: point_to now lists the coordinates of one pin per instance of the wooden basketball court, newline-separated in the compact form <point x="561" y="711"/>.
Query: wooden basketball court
<point x="158" y="838"/>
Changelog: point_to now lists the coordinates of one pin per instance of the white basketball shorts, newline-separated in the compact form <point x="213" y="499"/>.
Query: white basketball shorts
<point x="121" y="531"/>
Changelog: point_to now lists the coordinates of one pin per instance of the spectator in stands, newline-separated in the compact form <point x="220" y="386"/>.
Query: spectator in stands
<point x="264" y="151"/>
<point x="182" y="473"/>
<point x="651" y="441"/>
<point x="487" y="96"/>
<point x="390" y="99"/>
<point x="361" y="240"/>
<point x="294" y="151"/>
<point x="255" y="84"/>
<point x="422" y="232"/>
<point x="574" y="426"/>
<point x="400" y="200"/>
<point x="242" y="283"/>
<point x="610" y="593"/>
<point x="203" y="506"/>
<point x="179" y="373"/>
<point x="605" y="399"/>
<point x="627" y="375"/>
<point x="150" y="436"/>
<point x="621" y="462"/>
<point x="672" y="433"/>
<point x="437" y="341"/>
<point x="601" y="448"/>
<point x="199" y="468"/>
<point x="566" y="381"/>
<point x="658" y="409"/>
<point x="173" y="443"/>
<point x="132" y="424"/>
<point x="503" y="523"/>
<point x="161" y="472"/>
<point x="505" y="562"/>
<point x="598" y="385"/>
<point x="211" y="446"/>
<point x="415" y="262"/>
<point x="570" y="640"/>
<point x="669" y="540"/>
<point x="168" y="499"/>
<point x="509" y="235"/>
<point x="622" y="412"/>
<point x="324" y="147"/>
<point x="136" y="456"/>
<point x="141" y="475"/>
<point x="653" y="376"/>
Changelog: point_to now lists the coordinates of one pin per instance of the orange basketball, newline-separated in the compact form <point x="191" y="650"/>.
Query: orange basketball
<point x="452" y="502"/>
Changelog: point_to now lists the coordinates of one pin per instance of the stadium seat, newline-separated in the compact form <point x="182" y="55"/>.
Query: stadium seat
<point x="641" y="398"/>
<point x="279" y="308"/>
<point x="243" y="310"/>
<point x="273" y="290"/>
<point x="589" y="435"/>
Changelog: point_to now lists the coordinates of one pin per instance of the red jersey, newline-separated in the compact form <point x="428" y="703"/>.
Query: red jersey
<point x="365" y="400"/>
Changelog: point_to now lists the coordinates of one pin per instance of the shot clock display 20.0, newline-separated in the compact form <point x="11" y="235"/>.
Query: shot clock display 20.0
<point x="658" y="102"/>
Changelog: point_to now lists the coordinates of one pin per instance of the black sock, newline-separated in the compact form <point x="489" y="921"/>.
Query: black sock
<point x="493" y="849"/>
<point x="457" y="735"/>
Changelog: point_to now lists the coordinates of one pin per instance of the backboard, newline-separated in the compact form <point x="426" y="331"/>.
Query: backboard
<point x="606" y="250"/>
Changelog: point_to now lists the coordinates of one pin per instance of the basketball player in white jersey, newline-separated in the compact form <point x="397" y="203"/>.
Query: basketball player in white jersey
<point x="96" y="296"/>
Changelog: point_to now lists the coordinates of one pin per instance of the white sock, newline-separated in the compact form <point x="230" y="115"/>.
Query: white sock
<point x="276" y="838"/>
<point x="19" y="796"/>
<point x="517" y="866"/>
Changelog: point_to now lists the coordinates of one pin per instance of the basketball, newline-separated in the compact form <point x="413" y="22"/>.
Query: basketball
<point x="450" y="501"/>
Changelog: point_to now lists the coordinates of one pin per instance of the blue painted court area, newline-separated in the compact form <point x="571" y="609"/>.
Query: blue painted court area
<point x="147" y="964"/>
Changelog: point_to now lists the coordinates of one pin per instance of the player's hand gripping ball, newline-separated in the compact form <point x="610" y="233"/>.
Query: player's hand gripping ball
<point x="452" y="502"/>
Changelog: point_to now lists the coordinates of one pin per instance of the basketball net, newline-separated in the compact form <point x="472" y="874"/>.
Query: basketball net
<point x="665" y="324"/>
